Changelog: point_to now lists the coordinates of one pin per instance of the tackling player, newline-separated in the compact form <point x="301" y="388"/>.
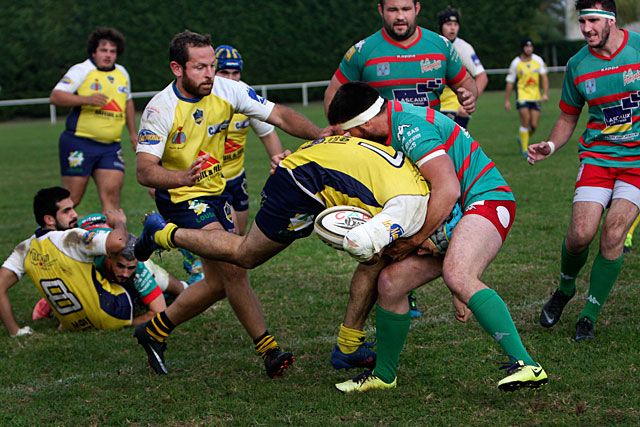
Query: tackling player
<point x="527" y="70"/>
<point x="605" y="75"/>
<point x="457" y="171"/>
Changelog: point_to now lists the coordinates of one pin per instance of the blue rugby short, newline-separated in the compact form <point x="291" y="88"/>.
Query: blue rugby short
<point x="81" y="156"/>
<point x="197" y="212"/>
<point x="532" y="105"/>
<point x="238" y="192"/>
<point x="286" y="212"/>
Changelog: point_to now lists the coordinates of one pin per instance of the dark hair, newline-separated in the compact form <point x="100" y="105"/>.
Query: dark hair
<point x="46" y="202"/>
<point x="447" y="15"/>
<point x="608" y="5"/>
<point x="351" y="99"/>
<point x="127" y="252"/>
<point x="105" y="33"/>
<point x="179" y="46"/>
<point x="381" y="2"/>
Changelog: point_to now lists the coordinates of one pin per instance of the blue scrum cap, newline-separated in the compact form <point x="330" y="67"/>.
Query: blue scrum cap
<point x="228" y="58"/>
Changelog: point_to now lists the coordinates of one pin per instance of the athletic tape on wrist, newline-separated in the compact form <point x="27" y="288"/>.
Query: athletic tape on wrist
<point x="365" y="116"/>
<point x="552" y="146"/>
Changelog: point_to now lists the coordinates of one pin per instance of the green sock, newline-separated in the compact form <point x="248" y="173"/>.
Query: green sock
<point x="492" y="314"/>
<point x="603" y="275"/>
<point x="391" y="331"/>
<point x="570" y="266"/>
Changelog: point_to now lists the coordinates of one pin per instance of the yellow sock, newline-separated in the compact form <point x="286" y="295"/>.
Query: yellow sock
<point x="524" y="138"/>
<point x="634" y="225"/>
<point x="350" y="339"/>
<point x="164" y="237"/>
<point x="265" y="343"/>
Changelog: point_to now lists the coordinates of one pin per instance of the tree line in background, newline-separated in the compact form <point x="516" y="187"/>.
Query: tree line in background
<point x="280" y="40"/>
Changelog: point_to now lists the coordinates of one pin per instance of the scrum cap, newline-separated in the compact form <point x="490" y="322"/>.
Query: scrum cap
<point x="228" y="58"/>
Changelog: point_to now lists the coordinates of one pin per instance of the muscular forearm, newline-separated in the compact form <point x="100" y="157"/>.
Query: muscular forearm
<point x="481" y="82"/>
<point x="293" y="123"/>
<point x="6" y="313"/>
<point x="65" y="99"/>
<point x="155" y="176"/>
<point x="563" y="129"/>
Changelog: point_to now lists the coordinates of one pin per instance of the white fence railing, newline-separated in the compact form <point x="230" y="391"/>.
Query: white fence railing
<point x="264" y="89"/>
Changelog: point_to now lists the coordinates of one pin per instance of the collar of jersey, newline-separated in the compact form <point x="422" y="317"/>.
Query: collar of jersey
<point x="100" y="69"/>
<point x="182" y="98"/>
<point x="42" y="231"/>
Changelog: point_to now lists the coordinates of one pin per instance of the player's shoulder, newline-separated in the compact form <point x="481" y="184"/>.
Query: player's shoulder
<point x="634" y="39"/>
<point x="430" y="37"/>
<point x="123" y="70"/>
<point x="537" y="58"/>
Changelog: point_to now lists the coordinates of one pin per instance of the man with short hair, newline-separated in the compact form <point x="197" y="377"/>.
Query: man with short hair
<point x="180" y="153"/>
<point x="405" y="62"/>
<point x="99" y="91"/>
<point x="449" y="25"/>
<point x="458" y="172"/>
<point x="59" y="258"/>
<point x="526" y="72"/>
<point x="604" y="74"/>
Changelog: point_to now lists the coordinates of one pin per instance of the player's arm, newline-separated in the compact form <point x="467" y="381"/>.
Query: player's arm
<point x="293" y="123"/>
<point x="130" y="117"/>
<point x="274" y="149"/>
<point x="445" y="191"/>
<point x="560" y="134"/>
<point x="330" y="92"/>
<point x="151" y="173"/>
<point x="153" y="308"/>
<point x="117" y="238"/>
<point x="507" y="96"/>
<point x="467" y="93"/>
<point x="545" y="86"/>
<point x="7" y="279"/>
<point x="481" y="82"/>
<point x="61" y="98"/>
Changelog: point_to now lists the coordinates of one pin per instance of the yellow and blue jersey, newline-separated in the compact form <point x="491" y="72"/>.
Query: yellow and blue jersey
<point x="102" y="124"/>
<point x="235" y="145"/>
<point x="178" y="129"/>
<point x="60" y="264"/>
<point x="526" y="76"/>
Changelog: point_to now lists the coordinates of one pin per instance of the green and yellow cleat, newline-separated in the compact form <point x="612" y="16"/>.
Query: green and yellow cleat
<point x="363" y="382"/>
<point x="521" y="375"/>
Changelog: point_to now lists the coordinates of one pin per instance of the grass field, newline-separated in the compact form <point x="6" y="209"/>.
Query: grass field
<point x="448" y="373"/>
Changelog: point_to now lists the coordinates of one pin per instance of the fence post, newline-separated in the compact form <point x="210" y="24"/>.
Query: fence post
<point x="52" y="113"/>
<point x="305" y="95"/>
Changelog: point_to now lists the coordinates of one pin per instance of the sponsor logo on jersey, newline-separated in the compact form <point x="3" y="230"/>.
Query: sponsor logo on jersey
<point x="630" y="76"/>
<point x="427" y="65"/>
<point x="76" y="158"/>
<point x="43" y="261"/>
<point x="96" y="85"/>
<point x="253" y="95"/>
<point x="179" y="137"/>
<point x="215" y="129"/>
<point x="111" y="79"/>
<point x="147" y="137"/>
<point x="112" y="106"/>
<point x="359" y="45"/>
<point x="243" y="124"/>
<point x="198" y="116"/>
<point x="123" y="89"/>
<point x="231" y="146"/>
<point x="476" y="60"/>
<point x="88" y="237"/>
<point x="350" y="53"/>
<point x="418" y="96"/>
<point x="590" y="86"/>
<point x="198" y="207"/>
<point x="401" y="129"/>
<point x="210" y="167"/>
<point x="300" y="221"/>
<point x="66" y="80"/>
<point x="395" y="230"/>
<point x="383" y="69"/>
<point x="149" y="111"/>
<point x="619" y="118"/>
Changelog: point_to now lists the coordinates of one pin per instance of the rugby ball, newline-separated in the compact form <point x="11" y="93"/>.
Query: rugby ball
<point x="332" y="224"/>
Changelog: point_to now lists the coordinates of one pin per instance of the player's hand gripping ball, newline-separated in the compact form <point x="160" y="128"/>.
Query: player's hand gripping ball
<point x="332" y="224"/>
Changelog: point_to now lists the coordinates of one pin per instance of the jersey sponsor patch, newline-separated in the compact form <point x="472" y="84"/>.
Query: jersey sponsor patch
<point x="198" y="116"/>
<point x="476" y="60"/>
<point x="214" y="129"/>
<point x="427" y="65"/>
<point x="590" y="86"/>
<point x="619" y="118"/>
<point x="253" y="95"/>
<point x="350" y="53"/>
<point x="147" y="137"/>
<point x="383" y="69"/>
<point x="420" y="95"/>
<point x="66" y="80"/>
<point x="630" y="76"/>
<point x="76" y="158"/>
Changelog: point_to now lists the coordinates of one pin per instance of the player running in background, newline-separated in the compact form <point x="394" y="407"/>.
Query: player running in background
<point x="458" y="172"/>
<point x="606" y="76"/>
<point x="59" y="260"/>
<point x="99" y="90"/>
<point x="449" y="25"/>
<point x="180" y="153"/>
<point x="526" y="72"/>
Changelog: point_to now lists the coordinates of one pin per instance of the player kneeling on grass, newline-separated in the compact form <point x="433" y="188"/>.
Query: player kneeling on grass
<point x="59" y="258"/>
<point x="145" y="282"/>
<point x="327" y="172"/>
<point x="459" y="172"/>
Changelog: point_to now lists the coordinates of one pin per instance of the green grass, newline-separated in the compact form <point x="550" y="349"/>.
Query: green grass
<point x="448" y="371"/>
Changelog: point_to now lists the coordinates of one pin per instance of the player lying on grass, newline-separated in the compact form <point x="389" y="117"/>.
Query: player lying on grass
<point x="59" y="260"/>
<point x="145" y="282"/>
<point x="331" y="171"/>
<point x="458" y="172"/>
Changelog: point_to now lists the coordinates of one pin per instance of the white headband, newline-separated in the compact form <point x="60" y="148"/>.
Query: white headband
<point x="365" y="116"/>
<point x="597" y="13"/>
